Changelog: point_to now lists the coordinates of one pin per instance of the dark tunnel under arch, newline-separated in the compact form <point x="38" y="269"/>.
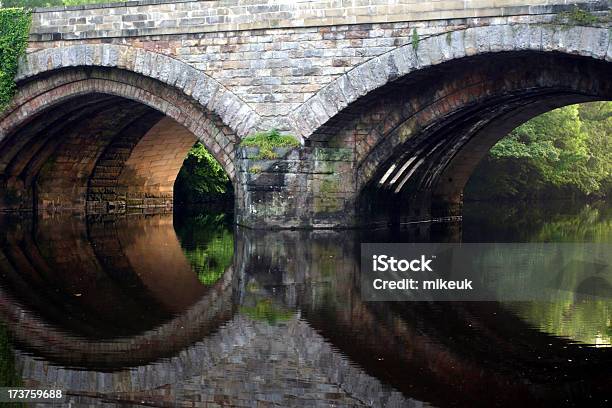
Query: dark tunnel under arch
<point x="418" y="139"/>
<point x="102" y="140"/>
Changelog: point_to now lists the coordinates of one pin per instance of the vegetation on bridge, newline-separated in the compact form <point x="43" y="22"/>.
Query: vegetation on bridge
<point x="266" y="310"/>
<point x="563" y="153"/>
<point x="203" y="180"/>
<point x="578" y="16"/>
<point x="14" y="29"/>
<point x="267" y="141"/>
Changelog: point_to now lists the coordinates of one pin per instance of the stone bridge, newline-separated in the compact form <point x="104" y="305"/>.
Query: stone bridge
<point x="394" y="102"/>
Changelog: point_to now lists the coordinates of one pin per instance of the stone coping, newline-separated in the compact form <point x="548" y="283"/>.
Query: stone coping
<point x="112" y="4"/>
<point x="176" y="17"/>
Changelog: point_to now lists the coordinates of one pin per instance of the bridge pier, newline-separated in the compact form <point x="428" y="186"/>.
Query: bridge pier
<point x="315" y="187"/>
<point x="309" y="187"/>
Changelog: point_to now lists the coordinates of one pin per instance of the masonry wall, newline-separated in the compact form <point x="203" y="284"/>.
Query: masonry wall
<point x="260" y="64"/>
<point x="275" y="55"/>
<point x="148" y="177"/>
<point x="301" y="188"/>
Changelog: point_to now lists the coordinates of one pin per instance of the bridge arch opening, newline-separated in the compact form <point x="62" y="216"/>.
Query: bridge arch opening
<point x="101" y="140"/>
<point x="418" y="139"/>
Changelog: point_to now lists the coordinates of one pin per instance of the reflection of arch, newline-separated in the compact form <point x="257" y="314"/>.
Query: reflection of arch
<point x="479" y="354"/>
<point x="445" y="353"/>
<point x="327" y="373"/>
<point x="124" y="248"/>
<point x="116" y="258"/>
<point x="213" y="347"/>
<point x="87" y="125"/>
<point x="199" y="320"/>
<point x="430" y="51"/>
<point x="596" y="286"/>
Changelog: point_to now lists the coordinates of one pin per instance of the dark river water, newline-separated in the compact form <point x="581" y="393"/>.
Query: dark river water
<point x="189" y="311"/>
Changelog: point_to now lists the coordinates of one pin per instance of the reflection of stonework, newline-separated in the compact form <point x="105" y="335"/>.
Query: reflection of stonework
<point x="245" y="362"/>
<point x="479" y="350"/>
<point x="329" y="346"/>
<point x="100" y="294"/>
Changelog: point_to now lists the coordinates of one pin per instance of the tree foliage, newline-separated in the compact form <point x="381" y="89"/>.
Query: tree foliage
<point x="201" y="179"/>
<point x="208" y="244"/>
<point x="14" y="29"/>
<point x="560" y="153"/>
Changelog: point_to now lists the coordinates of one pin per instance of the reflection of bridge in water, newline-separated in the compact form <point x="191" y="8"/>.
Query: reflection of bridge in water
<point x="336" y="349"/>
<point x="101" y="298"/>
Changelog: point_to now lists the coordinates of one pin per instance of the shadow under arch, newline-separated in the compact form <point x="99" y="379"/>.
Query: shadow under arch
<point x="417" y="139"/>
<point x="95" y="138"/>
<point x="61" y="297"/>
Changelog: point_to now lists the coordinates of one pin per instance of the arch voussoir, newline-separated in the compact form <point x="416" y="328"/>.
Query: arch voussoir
<point x="586" y="41"/>
<point x="208" y="92"/>
<point x="31" y="100"/>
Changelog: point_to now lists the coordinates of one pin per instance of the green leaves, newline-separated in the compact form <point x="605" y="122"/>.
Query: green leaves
<point x="567" y="148"/>
<point x="208" y="245"/>
<point x="14" y="30"/>
<point x="201" y="178"/>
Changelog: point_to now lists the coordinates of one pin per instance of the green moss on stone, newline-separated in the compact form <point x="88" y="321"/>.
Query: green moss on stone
<point x="255" y="170"/>
<point x="267" y="141"/>
<point x="579" y="17"/>
<point x="415" y="40"/>
<point x="265" y="310"/>
<point x="329" y="185"/>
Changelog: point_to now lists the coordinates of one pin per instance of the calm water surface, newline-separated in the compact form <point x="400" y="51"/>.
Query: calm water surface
<point x="192" y="312"/>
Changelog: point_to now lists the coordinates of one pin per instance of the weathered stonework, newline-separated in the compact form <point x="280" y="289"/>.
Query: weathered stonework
<point x="324" y="71"/>
<point x="276" y="56"/>
<point x="302" y="188"/>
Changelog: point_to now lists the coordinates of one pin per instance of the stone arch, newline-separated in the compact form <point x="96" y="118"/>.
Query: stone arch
<point x="381" y="127"/>
<point x="143" y="174"/>
<point x="414" y="152"/>
<point x="127" y="107"/>
<point x="410" y="133"/>
<point x="330" y="101"/>
<point x="177" y="74"/>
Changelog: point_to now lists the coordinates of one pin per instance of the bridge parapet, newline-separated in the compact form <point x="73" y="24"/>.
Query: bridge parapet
<point x="276" y="55"/>
<point x="164" y="17"/>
